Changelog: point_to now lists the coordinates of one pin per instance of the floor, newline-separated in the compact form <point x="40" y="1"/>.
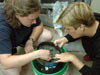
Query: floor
<point x="27" y="69"/>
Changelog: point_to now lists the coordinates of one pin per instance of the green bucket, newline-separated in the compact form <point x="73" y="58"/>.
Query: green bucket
<point x="60" y="72"/>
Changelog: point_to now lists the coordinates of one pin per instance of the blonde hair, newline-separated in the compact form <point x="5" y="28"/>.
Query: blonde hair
<point x="77" y="13"/>
<point x="20" y="7"/>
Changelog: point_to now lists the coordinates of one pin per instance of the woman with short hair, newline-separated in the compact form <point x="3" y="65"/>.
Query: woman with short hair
<point x="20" y="25"/>
<point x="81" y="23"/>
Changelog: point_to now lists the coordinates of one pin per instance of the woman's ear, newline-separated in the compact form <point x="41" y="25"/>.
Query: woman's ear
<point x="82" y="27"/>
<point x="17" y="16"/>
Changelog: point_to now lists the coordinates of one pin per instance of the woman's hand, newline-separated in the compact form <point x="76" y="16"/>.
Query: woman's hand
<point x="44" y="54"/>
<point x="68" y="57"/>
<point x="29" y="46"/>
<point x="60" y="42"/>
<point x="64" y="57"/>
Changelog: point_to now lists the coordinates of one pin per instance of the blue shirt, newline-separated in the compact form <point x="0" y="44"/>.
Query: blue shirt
<point x="20" y="33"/>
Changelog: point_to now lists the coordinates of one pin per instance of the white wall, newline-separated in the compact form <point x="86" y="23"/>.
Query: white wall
<point x="95" y="5"/>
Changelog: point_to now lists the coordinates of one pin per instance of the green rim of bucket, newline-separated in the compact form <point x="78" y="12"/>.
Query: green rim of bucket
<point x="61" y="72"/>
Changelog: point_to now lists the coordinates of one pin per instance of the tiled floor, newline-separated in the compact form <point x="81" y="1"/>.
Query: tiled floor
<point x="27" y="69"/>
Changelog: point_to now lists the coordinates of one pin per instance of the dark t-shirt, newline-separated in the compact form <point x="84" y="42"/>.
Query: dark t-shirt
<point x="92" y="48"/>
<point x="21" y="34"/>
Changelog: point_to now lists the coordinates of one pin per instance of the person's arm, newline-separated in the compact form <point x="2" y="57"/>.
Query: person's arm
<point x="94" y="70"/>
<point x="11" y="61"/>
<point x="70" y="38"/>
<point x="68" y="57"/>
<point x="63" y="40"/>
<point x="85" y="70"/>
<point x="37" y="32"/>
<point x="77" y="63"/>
<point x="60" y="42"/>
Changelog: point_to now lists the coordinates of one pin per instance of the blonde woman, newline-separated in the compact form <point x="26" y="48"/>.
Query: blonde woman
<point x="20" y="24"/>
<point x="80" y="23"/>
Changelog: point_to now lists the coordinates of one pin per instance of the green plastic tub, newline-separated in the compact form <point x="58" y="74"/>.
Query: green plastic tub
<point x="60" y="72"/>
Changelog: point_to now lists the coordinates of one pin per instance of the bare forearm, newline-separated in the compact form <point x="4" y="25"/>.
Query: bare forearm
<point x="68" y="57"/>
<point x="65" y="39"/>
<point x="19" y="60"/>
<point x="77" y="63"/>
<point x="37" y="32"/>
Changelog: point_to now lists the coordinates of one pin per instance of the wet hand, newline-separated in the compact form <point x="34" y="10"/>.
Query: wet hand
<point x="64" y="57"/>
<point x="29" y="46"/>
<point x="60" y="42"/>
<point x="44" y="54"/>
